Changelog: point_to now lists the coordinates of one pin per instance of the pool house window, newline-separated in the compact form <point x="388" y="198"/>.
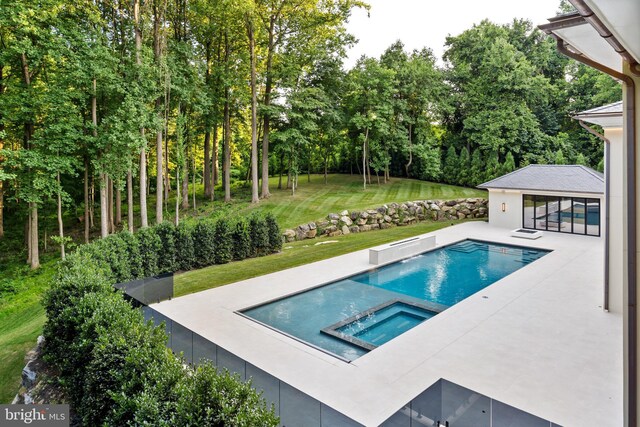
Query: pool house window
<point x="576" y="215"/>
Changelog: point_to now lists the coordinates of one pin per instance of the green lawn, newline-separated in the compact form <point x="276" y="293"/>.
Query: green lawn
<point x="293" y="255"/>
<point x="314" y="200"/>
<point x="21" y="320"/>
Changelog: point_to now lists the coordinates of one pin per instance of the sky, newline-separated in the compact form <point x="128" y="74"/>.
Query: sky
<point x="420" y="23"/>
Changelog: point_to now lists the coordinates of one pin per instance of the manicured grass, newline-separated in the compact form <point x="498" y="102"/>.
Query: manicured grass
<point x="293" y="255"/>
<point x="314" y="200"/>
<point x="21" y="320"/>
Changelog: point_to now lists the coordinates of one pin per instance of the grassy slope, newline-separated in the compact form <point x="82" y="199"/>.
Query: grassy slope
<point x="315" y="200"/>
<point x="22" y="316"/>
<point x="21" y="320"/>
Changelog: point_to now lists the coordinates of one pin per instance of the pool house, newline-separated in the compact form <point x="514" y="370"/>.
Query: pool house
<point x="559" y="198"/>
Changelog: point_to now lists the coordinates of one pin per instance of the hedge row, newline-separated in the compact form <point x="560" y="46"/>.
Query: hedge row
<point x="116" y="367"/>
<point x="166" y="248"/>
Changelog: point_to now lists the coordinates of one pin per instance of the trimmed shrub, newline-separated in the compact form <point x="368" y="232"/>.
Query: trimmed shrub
<point x="77" y="328"/>
<point x="133" y="255"/>
<point x="168" y="259"/>
<point x="204" y="243"/>
<point x="211" y="398"/>
<point x="258" y="236"/>
<point x="115" y="367"/>
<point x="273" y="231"/>
<point x="150" y="247"/>
<point x="184" y="247"/>
<point x="77" y="277"/>
<point x="124" y="347"/>
<point x="223" y="246"/>
<point x="241" y="247"/>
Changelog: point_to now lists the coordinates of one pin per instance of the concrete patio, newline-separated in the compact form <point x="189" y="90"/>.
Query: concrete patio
<point x="537" y="340"/>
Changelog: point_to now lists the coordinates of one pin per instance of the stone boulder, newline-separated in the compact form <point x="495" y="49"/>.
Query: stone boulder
<point x="289" y="235"/>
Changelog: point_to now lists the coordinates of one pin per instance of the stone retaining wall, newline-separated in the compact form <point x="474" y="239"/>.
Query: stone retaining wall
<point x="393" y="214"/>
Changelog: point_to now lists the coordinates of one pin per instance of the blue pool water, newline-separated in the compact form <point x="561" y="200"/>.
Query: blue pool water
<point x="350" y="317"/>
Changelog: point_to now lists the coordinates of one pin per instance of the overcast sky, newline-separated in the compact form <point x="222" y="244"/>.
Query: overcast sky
<point x="420" y="23"/>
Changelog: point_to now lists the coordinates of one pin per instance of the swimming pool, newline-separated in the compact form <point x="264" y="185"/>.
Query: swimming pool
<point x="350" y="317"/>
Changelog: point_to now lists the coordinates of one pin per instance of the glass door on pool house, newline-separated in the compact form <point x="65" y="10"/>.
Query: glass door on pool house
<point x="577" y="215"/>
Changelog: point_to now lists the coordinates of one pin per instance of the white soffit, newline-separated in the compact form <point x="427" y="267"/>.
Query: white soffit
<point x="622" y="18"/>
<point x="605" y="122"/>
<point x="587" y="41"/>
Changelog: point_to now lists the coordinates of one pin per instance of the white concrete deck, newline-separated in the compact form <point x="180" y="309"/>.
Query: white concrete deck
<point x="540" y="341"/>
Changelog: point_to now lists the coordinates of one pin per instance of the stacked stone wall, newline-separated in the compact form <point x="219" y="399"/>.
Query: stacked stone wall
<point x="390" y="215"/>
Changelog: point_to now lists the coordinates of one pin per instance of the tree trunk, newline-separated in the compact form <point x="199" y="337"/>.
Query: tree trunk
<point x="27" y="236"/>
<point x="193" y="181"/>
<point x="254" y="115"/>
<point x="364" y="159"/>
<point x="185" y="183"/>
<point x="215" y="174"/>
<point x="326" y="166"/>
<point x="60" y="224"/>
<point x="92" y="202"/>
<point x="208" y="182"/>
<point x="86" y="199"/>
<point x="281" y="171"/>
<point x="118" y="206"/>
<point x="406" y="167"/>
<point x="178" y="197"/>
<point x="112" y="226"/>
<point x="33" y="232"/>
<point x="144" y="222"/>
<point x="130" y="201"/>
<point x="34" y="254"/>
<point x="226" y="161"/>
<point x="104" y="209"/>
<point x="159" y="156"/>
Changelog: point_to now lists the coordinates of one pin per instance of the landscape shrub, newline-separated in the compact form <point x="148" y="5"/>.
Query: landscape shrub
<point x="213" y="398"/>
<point x="168" y="259"/>
<point x="114" y="366"/>
<point x="204" y="242"/>
<point x="133" y="255"/>
<point x="258" y="236"/>
<point x="273" y="231"/>
<point x="222" y="236"/>
<point x="123" y="349"/>
<point x="78" y="330"/>
<point x="77" y="277"/>
<point x="184" y="247"/>
<point x="240" y="237"/>
<point x="150" y="248"/>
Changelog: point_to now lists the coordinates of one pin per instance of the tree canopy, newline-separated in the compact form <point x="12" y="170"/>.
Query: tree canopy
<point x="103" y="104"/>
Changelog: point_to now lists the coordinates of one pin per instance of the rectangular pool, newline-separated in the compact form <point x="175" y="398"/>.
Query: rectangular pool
<point x="353" y="316"/>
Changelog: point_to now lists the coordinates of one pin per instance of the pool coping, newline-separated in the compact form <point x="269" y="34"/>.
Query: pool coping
<point x="332" y="329"/>
<point x="537" y="330"/>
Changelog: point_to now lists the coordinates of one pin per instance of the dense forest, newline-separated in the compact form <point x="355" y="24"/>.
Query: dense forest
<point x="106" y="103"/>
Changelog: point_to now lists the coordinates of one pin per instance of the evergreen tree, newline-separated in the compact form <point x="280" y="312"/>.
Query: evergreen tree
<point x="559" y="158"/>
<point x="492" y="167"/>
<point x="477" y="168"/>
<point x="450" y="170"/>
<point x="464" y="167"/>
<point x="581" y="160"/>
<point x="509" y="164"/>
